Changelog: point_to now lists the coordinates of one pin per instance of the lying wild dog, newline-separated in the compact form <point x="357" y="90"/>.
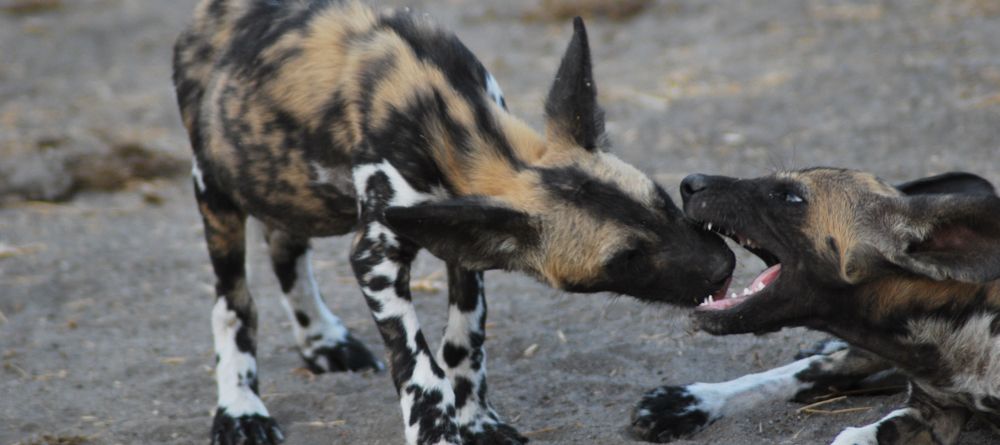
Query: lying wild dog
<point x="908" y="276"/>
<point x="323" y="117"/>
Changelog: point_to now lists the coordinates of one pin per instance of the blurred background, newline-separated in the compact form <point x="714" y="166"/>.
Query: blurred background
<point x="105" y="287"/>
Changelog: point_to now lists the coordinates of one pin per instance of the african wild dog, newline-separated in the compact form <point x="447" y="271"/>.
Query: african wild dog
<point x="323" y="117"/>
<point x="908" y="276"/>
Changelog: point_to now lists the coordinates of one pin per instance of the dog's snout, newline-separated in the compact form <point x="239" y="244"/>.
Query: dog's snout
<point x="720" y="267"/>
<point x="693" y="184"/>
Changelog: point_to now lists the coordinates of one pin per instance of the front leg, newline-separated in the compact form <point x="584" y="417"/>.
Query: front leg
<point x="922" y="422"/>
<point x="671" y="412"/>
<point x="464" y="359"/>
<point x="381" y="263"/>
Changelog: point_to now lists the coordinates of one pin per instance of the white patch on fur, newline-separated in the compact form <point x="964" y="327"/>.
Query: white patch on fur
<point x="750" y="391"/>
<point x="867" y="435"/>
<point x="833" y="345"/>
<point x="403" y="195"/>
<point x="321" y="174"/>
<point x="424" y="377"/>
<point x="235" y="394"/>
<point x="376" y="231"/>
<point x="971" y="350"/>
<point x="494" y="90"/>
<point x="305" y="296"/>
<point x="460" y="326"/>
<point x="199" y="179"/>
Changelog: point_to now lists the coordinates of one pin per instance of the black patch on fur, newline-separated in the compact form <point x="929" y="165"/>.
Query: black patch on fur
<point x="462" y="69"/>
<point x="572" y="101"/>
<point x="302" y="319"/>
<point x="261" y="27"/>
<point x="949" y="183"/>
<point x="427" y="414"/>
<point x="378" y="283"/>
<point x="350" y="355"/>
<point x="667" y="413"/>
<point x="284" y="262"/>
<point x="453" y="354"/>
<point x="465" y="231"/>
<point x="244" y="341"/>
<point x="444" y="50"/>
<point x="228" y="271"/>
<point x="255" y="429"/>
<point x="603" y="200"/>
<point x="463" y="389"/>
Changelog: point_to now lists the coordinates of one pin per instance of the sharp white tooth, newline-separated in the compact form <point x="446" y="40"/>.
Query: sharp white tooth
<point x="734" y="295"/>
<point x="711" y="299"/>
<point x="709" y="225"/>
<point x="746" y="291"/>
<point x="759" y="287"/>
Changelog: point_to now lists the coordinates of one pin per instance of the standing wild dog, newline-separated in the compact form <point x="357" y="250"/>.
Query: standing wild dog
<point x="323" y="117"/>
<point x="909" y="276"/>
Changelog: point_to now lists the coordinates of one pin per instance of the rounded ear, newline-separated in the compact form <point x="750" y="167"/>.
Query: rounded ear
<point x="943" y="237"/>
<point x="960" y="183"/>
<point x="571" y="109"/>
<point x="469" y="232"/>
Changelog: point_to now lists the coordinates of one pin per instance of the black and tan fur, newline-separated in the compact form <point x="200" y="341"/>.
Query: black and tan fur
<point x="908" y="276"/>
<point x="322" y="117"/>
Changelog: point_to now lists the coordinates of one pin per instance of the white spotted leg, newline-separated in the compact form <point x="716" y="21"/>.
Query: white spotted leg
<point x="381" y="263"/>
<point x="464" y="360"/>
<point x="240" y="415"/>
<point x="323" y="341"/>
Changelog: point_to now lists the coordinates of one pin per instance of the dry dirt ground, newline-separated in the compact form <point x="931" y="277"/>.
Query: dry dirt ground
<point x="105" y="299"/>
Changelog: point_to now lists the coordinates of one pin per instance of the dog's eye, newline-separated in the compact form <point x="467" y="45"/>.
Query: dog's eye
<point x="787" y="196"/>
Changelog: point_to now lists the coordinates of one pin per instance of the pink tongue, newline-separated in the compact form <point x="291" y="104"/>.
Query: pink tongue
<point x="766" y="277"/>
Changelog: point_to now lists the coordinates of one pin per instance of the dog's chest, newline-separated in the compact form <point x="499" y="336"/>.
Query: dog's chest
<point x="969" y="355"/>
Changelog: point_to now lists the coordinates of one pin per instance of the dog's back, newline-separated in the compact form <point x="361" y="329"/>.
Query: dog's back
<point x="300" y="85"/>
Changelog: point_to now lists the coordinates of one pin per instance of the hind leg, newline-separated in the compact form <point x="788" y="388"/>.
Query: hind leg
<point x="240" y="417"/>
<point x="323" y="341"/>
<point x="672" y="412"/>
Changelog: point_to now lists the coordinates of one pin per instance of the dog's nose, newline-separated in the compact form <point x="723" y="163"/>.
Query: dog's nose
<point x="693" y="184"/>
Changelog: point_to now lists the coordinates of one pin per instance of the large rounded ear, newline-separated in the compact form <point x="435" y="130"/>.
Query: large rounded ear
<point x="943" y="237"/>
<point x="571" y="109"/>
<point x="473" y="233"/>
<point x="960" y="183"/>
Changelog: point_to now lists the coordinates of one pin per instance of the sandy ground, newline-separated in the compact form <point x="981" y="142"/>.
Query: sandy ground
<point x="105" y="300"/>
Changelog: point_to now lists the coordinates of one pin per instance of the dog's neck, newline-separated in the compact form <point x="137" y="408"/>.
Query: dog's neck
<point x="889" y="310"/>
<point x="505" y="169"/>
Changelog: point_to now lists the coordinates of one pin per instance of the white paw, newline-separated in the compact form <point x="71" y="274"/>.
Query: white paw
<point x="858" y="436"/>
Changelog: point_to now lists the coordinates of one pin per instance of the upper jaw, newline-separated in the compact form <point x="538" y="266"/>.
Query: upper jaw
<point x="760" y="302"/>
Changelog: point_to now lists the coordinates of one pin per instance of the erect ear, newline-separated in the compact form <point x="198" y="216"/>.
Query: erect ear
<point x="961" y="183"/>
<point x="470" y="232"/>
<point x="571" y="109"/>
<point x="943" y="237"/>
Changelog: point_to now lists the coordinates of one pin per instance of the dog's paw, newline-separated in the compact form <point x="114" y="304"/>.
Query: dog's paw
<point x="347" y="355"/>
<point x="493" y="434"/>
<point x="823" y="347"/>
<point x="245" y="430"/>
<point x="668" y="413"/>
<point x="857" y="436"/>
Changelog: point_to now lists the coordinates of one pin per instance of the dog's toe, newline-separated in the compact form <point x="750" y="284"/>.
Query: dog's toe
<point x="668" y="413"/>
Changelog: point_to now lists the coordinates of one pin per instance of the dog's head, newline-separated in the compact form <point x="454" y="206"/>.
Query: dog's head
<point x="571" y="213"/>
<point x="831" y="236"/>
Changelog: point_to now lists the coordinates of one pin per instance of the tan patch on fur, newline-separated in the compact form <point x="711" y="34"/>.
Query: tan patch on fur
<point x="916" y="294"/>
<point x="838" y="204"/>
<point x="224" y="231"/>
<point x="573" y="257"/>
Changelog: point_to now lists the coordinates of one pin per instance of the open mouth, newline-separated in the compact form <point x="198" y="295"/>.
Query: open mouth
<point x="724" y="299"/>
